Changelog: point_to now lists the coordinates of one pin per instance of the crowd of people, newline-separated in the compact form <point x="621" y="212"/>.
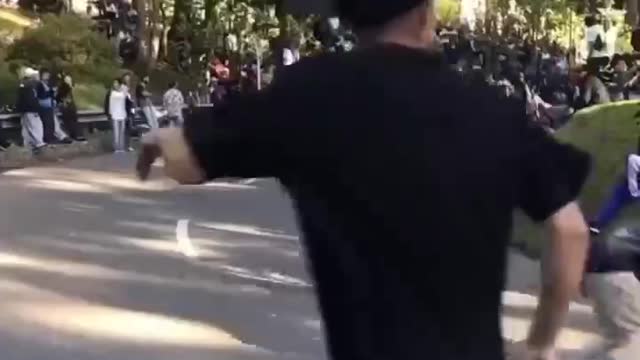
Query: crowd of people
<point x="38" y="102"/>
<point x="118" y="20"/>
<point x="49" y="115"/>
<point x="135" y="113"/>
<point x="550" y="80"/>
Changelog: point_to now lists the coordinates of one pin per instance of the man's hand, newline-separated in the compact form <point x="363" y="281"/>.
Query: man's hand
<point x="179" y="162"/>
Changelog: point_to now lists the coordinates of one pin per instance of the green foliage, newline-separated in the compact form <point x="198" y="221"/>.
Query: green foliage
<point x="65" y="43"/>
<point x="448" y="12"/>
<point x="90" y="96"/>
<point x="8" y="85"/>
<point x="609" y="133"/>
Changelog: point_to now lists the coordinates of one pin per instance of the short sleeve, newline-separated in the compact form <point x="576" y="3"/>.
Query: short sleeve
<point x="551" y="174"/>
<point x="241" y="138"/>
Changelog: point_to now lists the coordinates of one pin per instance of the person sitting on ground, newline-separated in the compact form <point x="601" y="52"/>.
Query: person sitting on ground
<point x="173" y="102"/>
<point x="625" y="192"/>
<point x="622" y="78"/>
<point x="27" y="105"/>
<point x="594" y="91"/>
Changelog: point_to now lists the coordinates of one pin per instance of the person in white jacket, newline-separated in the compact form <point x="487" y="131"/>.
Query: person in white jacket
<point x="117" y="111"/>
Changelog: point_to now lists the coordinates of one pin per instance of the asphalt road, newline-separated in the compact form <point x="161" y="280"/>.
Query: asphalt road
<point x="96" y="265"/>
<point x="91" y="268"/>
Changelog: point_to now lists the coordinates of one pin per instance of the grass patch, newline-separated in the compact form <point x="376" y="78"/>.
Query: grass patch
<point x="609" y="133"/>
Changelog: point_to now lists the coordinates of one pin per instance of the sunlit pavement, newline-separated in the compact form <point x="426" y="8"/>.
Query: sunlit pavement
<point x="96" y="265"/>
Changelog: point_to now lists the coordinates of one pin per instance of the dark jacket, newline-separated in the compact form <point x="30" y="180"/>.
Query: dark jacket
<point x="27" y="100"/>
<point x="107" y="99"/>
<point x="64" y="97"/>
<point x="46" y="95"/>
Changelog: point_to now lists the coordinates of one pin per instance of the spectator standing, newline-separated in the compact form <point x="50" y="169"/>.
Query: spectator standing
<point x="29" y="108"/>
<point x="596" y="40"/>
<point x="47" y="108"/>
<point x="116" y="108"/>
<point x="143" y="96"/>
<point x="69" y="111"/>
<point x="391" y="257"/>
<point x="173" y="102"/>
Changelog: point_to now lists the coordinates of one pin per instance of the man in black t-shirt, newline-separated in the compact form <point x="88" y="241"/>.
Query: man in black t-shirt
<point x="374" y="148"/>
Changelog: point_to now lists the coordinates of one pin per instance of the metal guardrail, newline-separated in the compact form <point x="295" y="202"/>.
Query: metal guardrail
<point x="10" y="121"/>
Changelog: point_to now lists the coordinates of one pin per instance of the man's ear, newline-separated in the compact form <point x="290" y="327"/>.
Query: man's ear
<point x="428" y="19"/>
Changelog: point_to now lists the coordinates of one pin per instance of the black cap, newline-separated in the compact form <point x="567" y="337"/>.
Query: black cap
<point x="372" y="13"/>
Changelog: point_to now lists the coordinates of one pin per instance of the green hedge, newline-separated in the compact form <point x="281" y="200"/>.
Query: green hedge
<point x="8" y="85"/>
<point x="609" y="133"/>
<point x="66" y="44"/>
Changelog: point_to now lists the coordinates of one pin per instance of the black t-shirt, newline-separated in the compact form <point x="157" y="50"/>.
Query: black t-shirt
<point x="404" y="180"/>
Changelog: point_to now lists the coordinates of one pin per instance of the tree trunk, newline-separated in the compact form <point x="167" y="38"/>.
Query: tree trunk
<point x="208" y="12"/>
<point x="141" y="8"/>
<point x="162" y="46"/>
<point x="153" y="36"/>
<point x="283" y="24"/>
<point x="632" y="12"/>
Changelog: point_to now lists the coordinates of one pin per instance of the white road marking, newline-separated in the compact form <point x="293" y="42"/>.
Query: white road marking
<point x="185" y="246"/>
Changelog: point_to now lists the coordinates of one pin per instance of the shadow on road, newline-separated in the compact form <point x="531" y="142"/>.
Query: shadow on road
<point x="103" y="252"/>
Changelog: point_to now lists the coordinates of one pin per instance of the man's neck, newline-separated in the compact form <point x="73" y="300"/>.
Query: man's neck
<point x="397" y="34"/>
<point x="371" y="38"/>
<point x="406" y="41"/>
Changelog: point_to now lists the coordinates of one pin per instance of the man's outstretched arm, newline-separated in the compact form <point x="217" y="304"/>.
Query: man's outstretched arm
<point x="242" y="138"/>
<point x="562" y="270"/>
<point x="551" y="176"/>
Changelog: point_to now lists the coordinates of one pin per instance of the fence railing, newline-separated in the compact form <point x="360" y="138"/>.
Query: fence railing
<point x="12" y="121"/>
<point x="85" y="117"/>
